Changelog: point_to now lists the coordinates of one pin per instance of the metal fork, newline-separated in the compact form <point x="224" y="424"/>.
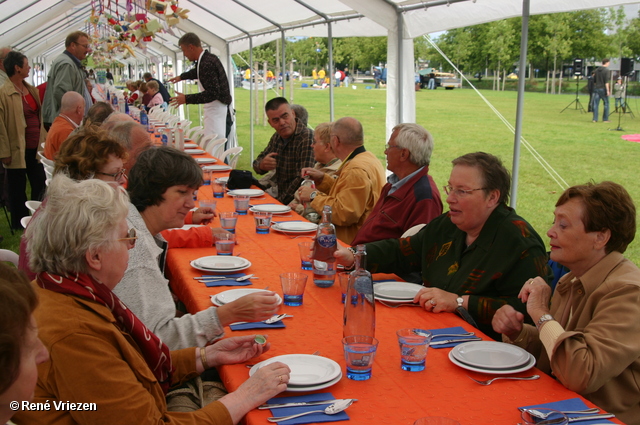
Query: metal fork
<point x="399" y="305"/>
<point x="515" y="378"/>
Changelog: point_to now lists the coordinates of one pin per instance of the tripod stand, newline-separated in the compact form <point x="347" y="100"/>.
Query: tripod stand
<point x="623" y="107"/>
<point x="576" y="100"/>
<point x="626" y="109"/>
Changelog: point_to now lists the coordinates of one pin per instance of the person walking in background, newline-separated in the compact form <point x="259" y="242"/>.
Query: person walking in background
<point x="213" y="85"/>
<point x="66" y="75"/>
<point x="618" y="94"/>
<point x="602" y="90"/>
<point x="21" y="132"/>
<point x="590" y="87"/>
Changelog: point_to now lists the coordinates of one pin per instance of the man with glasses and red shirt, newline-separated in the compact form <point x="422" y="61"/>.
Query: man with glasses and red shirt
<point x="66" y="74"/>
<point x="473" y="259"/>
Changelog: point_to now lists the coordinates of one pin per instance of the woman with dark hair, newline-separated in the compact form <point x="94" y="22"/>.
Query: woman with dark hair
<point x="21" y="134"/>
<point x="161" y="186"/>
<point x="100" y="352"/>
<point x="588" y="335"/>
<point x="20" y="348"/>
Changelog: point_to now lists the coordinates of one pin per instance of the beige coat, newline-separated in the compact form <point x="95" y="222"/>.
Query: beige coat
<point x="13" y="124"/>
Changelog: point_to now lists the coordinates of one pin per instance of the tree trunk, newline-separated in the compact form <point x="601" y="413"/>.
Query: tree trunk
<point x="546" y="83"/>
<point x="560" y="81"/>
<point x="553" y="77"/>
<point x="504" y="77"/>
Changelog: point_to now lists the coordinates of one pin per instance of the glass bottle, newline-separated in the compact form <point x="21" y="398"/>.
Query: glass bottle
<point x="311" y="216"/>
<point x="324" y="263"/>
<point x="179" y="137"/>
<point x="359" y="306"/>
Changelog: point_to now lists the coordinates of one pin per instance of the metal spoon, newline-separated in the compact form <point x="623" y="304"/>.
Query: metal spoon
<point x="214" y="278"/>
<point x="332" y="409"/>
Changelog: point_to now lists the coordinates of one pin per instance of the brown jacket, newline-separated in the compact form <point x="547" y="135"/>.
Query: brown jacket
<point x="92" y="361"/>
<point x="13" y="124"/>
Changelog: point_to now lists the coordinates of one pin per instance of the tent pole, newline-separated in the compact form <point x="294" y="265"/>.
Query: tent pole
<point x="251" y="108"/>
<point x="399" y="87"/>
<point x="330" y="70"/>
<point x="282" y="68"/>
<point x="520" y="106"/>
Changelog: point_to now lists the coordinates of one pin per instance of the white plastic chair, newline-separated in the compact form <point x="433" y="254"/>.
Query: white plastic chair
<point x="204" y="140"/>
<point x="197" y="136"/>
<point x="10" y="256"/>
<point x="48" y="172"/>
<point x="216" y="147"/>
<point x="185" y="124"/>
<point x="25" y="221"/>
<point x="32" y="206"/>
<point x="44" y="160"/>
<point x="233" y="154"/>
<point x="192" y="131"/>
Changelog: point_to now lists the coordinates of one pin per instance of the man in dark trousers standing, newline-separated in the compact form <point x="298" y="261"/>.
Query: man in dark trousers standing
<point x="213" y="83"/>
<point x="590" y="87"/>
<point x="602" y="90"/>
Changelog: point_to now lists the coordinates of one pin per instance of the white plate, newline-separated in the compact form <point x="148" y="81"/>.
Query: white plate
<point x="221" y="167"/>
<point x="206" y="161"/>
<point x="295" y="227"/>
<point x="401" y="291"/>
<point x="222" y="179"/>
<point x="221" y="262"/>
<point x="306" y="369"/>
<point x="205" y="270"/>
<point x="272" y="208"/>
<point x="231" y="295"/>
<point x="491" y="354"/>
<point x="191" y="146"/>
<point x="246" y="192"/>
<point x="531" y="363"/>
<point x="188" y="226"/>
<point x="194" y="151"/>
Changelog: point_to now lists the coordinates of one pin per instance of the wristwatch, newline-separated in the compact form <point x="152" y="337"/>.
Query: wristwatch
<point x="312" y="195"/>
<point x="544" y="318"/>
<point x="464" y="313"/>
<point x="460" y="301"/>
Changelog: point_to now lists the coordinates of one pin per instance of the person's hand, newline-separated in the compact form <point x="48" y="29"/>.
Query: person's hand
<point x="267" y="382"/>
<point x="344" y="256"/>
<point x="234" y="350"/>
<point x="179" y="99"/>
<point x="293" y="205"/>
<point x="304" y="193"/>
<point x="250" y="308"/>
<point x="203" y="215"/>
<point x="268" y="163"/>
<point x="316" y="175"/>
<point x="536" y="293"/>
<point x="436" y="300"/>
<point x="175" y="79"/>
<point x="217" y="230"/>
<point x="6" y="161"/>
<point x="508" y="321"/>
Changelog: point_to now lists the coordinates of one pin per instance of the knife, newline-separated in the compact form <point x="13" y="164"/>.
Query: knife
<point x="301" y="403"/>
<point x="450" y="341"/>
<point x="592" y="417"/>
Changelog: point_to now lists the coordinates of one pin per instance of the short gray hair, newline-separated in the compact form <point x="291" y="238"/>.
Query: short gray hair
<point x="76" y="218"/>
<point x="121" y="131"/>
<point x="417" y="140"/>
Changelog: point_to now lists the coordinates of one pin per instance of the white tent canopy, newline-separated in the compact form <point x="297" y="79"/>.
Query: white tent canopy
<point x="39" y="27"/>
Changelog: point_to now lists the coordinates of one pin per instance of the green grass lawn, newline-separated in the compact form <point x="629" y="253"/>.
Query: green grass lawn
<point x="460" y="122"/>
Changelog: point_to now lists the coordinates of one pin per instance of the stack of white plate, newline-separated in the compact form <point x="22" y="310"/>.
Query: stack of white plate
<point x="246" y="192"/>
<point x="396" y="292"/>
<point x="220" y="167"/>
<point x="191" y="146"/>
<point x="208" y="161"/>
<point x="272" y="208"/>
<point x="295" y="227"/>
<point x="194" y="151"/>
<point x="308" y="372"/>
<point x="221" y="264"/>
<point x="491" y="357"/>
<point x="226" y="297"/>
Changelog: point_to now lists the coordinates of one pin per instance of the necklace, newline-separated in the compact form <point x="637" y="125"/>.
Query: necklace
<point x="20" y="90"/>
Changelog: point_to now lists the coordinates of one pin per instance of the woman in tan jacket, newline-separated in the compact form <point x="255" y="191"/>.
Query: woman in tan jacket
<point x="21" y="135"/>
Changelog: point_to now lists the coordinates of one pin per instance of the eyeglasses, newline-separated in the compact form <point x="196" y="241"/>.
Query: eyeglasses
<point x="117" y="176"/>
<point x="131" y="238"/>
<point x="448" y="189"/>
<point x="86" y="46"/>
<point x="388" y="146"/>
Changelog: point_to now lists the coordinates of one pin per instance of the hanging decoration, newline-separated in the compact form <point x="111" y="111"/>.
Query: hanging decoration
<point x="116" y="34"/>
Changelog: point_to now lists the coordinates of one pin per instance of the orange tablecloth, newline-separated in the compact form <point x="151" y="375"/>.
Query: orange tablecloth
<point x="391" y="396"/>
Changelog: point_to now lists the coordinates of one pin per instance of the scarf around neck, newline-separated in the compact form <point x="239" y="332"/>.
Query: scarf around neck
<point x="156" y="354"/>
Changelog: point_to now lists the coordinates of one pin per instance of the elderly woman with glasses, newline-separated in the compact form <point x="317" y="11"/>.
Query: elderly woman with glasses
<point x="473" y="258"/>
<point x="161" y="185"/>
<point x="587" y="336"/>
<point x="100" y="352"/>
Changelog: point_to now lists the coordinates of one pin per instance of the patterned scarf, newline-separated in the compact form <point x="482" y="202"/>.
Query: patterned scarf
<point x="154" y="351"/>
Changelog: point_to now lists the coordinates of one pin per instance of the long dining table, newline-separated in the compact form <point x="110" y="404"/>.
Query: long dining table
<point x="392" y="395"/>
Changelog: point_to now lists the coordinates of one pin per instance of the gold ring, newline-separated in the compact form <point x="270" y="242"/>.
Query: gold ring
<point x="281" y="381"/>
<point x="530" y="281"/>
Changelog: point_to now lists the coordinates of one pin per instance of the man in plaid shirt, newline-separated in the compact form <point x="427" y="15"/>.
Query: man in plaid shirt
<point x="288" y="151"/>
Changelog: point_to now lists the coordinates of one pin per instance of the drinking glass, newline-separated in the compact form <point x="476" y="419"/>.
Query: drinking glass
<point x="218" y="188"/>
<point x="241" y="203"/>
<point x="228" y="221"/>
<point x="343" y="278"/>
<point x="225" y="242"/>
<point x="263" y="222"/>
<point x="305" y="254"/>
<point x="359" y="353"/>
<point x="293" y="285"/>
<point x="414" y="344"/>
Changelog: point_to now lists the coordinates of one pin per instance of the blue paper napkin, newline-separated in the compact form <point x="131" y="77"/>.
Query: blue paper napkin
<point x="307" y="419"/>
<point x="454" y="330"/>
<point x="231" y="281"/>
<point x="257" y="325"/>
<point x="570" y="404"/>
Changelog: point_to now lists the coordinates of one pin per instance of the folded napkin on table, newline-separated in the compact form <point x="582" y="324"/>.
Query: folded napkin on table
<point x="229" y="281"/>
<point x="570" y="404"/>
<point x="307" y="419"/>
<point x="447" y="331"/>
<point x="257" y="325"/>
